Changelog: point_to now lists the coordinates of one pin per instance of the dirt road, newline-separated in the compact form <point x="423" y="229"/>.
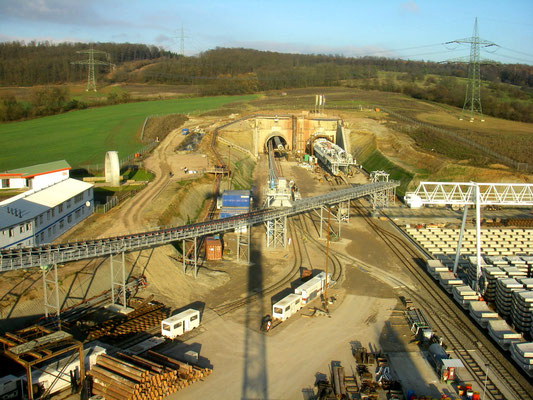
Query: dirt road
<point x="162" y="161"/>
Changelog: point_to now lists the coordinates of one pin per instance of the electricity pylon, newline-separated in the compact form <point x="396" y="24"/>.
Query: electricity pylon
<point x="91" y="62"/>
<point x="182" y="38"/>
<point x="472" y="104"/>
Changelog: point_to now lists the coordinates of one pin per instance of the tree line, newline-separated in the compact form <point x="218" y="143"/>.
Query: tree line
<point x="507" y="91"/>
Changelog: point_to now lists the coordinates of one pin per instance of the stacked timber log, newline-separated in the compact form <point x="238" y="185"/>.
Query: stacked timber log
<point x="129" y="377"/>
<point x="142" y="319"/>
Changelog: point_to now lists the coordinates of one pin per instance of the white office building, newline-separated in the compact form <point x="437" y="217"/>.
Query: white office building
<point x="35" y="177"/>
<point x="41" y="216"/>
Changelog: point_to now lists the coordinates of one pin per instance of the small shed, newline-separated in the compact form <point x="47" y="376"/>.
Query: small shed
<point x="213" y="248"/>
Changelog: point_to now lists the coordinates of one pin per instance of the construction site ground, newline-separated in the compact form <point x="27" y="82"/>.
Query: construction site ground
<point x="284" y="363"/>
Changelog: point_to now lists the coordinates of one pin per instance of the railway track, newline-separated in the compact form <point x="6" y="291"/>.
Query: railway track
<point x="455" y="326"/>
<point x="295" y="224"/>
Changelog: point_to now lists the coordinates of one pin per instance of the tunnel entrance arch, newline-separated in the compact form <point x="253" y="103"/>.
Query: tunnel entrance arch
<point x="277" y="140"/>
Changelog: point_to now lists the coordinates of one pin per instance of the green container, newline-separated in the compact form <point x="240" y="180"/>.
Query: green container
<point x="306" y="157"/>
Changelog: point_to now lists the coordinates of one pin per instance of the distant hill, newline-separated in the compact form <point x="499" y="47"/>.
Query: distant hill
<point x="507" y="91"/>
<point x="43" y="63"/>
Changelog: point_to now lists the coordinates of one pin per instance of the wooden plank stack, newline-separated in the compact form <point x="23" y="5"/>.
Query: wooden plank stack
<point x="154" y="376"/>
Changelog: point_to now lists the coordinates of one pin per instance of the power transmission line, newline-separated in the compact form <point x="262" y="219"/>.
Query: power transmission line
<point x="91" y="62"/>
<point x="472" y="104"/>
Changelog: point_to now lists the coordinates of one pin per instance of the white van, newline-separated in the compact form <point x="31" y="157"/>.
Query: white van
<point x="180" y="323"/>
<point x="287" y="306"/>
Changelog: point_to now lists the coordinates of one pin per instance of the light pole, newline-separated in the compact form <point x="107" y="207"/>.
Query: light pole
<point x="485" y="384"/>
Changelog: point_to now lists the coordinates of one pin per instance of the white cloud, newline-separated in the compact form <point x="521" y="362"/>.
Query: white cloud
<point x="163" y="38"/>
<point x="56" y="11"/>
<point x="411" y="7"/>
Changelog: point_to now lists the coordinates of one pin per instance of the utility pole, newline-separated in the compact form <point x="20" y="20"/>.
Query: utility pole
<point x="472" y="104"/>
<point x="91" y="62"/>
<point x="327" y="261"/>
<point x="182" y="42"/>
<point x="229" y="166"/>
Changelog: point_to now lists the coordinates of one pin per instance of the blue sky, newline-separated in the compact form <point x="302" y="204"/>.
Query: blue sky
<point x="413" y="29"/>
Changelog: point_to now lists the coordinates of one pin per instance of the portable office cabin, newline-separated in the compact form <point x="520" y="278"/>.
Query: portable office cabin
<point x="313" y="287"/>
<point x="287" y="307"/>
<point x="180" y="323"/>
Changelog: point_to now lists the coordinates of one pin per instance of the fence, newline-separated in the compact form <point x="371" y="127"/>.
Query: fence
<point x="101" y="166"/>
<point x="112" y="201"/>
<point x="519" y="166"/>
<point x="236" y="147"/>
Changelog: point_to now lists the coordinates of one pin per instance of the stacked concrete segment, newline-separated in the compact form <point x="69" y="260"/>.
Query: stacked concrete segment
<point x="503" y="334"/>
<point x="522" y="353"/>
<point x="464" y="295"/>
<point x="504" y="292"/>
<point x="481" y="313"/>
<point x="434" y="267"/>
<point x="522" y="307"/>
<point x="448" y="280"/>
<point x="491" y="276"/>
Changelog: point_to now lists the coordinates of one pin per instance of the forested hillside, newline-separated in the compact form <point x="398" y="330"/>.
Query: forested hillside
<point x="43" y="63"/>
<point x="507" y="90"/>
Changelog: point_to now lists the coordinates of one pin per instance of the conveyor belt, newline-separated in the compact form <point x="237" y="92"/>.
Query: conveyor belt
<point x="21" y="258"/>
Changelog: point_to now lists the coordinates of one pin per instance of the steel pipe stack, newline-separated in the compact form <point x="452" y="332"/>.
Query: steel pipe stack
<point x="142" y="378"/>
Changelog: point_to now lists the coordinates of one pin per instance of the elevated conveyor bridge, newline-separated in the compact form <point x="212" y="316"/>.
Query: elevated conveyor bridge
<point x="22" y="258"/>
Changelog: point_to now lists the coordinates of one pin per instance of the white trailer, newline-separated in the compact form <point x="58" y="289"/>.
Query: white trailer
<point x="287" y="307"/>
<point x="313" y="287"/>
<point x="180" y="323"/>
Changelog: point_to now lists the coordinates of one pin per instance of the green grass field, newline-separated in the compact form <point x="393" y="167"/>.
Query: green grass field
<point x="83" y="137"/>
<point x="376" y="161"/>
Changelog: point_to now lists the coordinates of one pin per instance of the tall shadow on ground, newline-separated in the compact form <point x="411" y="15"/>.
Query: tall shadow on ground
<point x="255" y="382"/>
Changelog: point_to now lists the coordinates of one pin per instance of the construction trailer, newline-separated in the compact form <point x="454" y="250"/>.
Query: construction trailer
<point x="287" y="307"/>
<point x="180" y="323"/>
<point x="313" y="287"/>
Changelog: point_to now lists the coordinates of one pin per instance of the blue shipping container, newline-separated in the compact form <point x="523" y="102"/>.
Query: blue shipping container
<point x="236" y="198"/>
<point x="185" y="131"/>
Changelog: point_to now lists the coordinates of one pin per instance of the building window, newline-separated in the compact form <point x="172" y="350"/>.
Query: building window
<point x="78" y="198"/>
<point x="42" y="236"/>
<point x="5" y="183"/>
<point x="49" y="232"/>
<point x="40" y="219"/>
<point x="21" y="228"/>
<point x="68" y="203"/>
<point x="53" y="212"/>
<point x="60" y="208"/>
<point x="78" y="213"/>
<point x="54" y="229"/>
<point x="61" y="224"/>
<point x="28" y="226"/>
<point x="69" y="218"/>
<point x="11" y="232"/>
<point x="48" y="215"/>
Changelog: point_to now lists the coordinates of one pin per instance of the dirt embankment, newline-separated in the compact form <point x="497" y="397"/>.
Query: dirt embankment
<point x="368" y="134"/>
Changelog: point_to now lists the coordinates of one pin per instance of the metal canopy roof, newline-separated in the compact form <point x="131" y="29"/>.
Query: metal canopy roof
<point x="452" y="363"/>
